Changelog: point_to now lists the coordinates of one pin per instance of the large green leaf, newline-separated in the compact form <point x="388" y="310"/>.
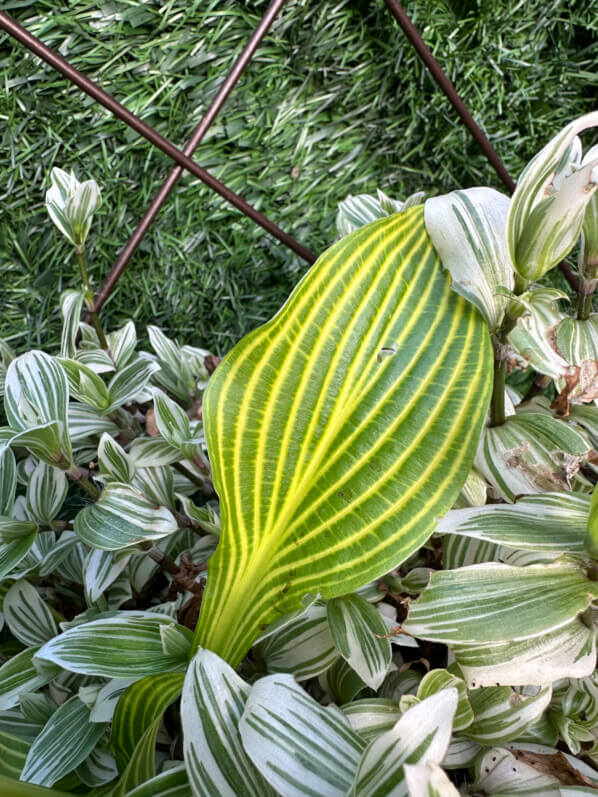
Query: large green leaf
<point x="518" y="602"/>
<point x="339" y="430"/>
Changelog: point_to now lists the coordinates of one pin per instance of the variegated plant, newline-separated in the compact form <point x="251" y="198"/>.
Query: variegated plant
<point x="245" y="584"/>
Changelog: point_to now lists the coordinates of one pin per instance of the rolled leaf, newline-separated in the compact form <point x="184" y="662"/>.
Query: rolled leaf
<point x="338" y="431"/>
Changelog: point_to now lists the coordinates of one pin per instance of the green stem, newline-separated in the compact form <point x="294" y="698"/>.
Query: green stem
<point x="497" y="404"/>
<point x="584" y="304"/>
<point x="95" y="319"/>
<point x="76" y="475"/>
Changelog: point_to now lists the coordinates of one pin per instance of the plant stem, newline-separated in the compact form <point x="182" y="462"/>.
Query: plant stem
<point x="497" y="404"/>
<point x="584" y="300"/>
<point x="95" y="319"/>
<point x="78" y="476"/>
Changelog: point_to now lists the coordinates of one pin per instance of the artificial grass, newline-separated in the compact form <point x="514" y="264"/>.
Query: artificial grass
<point x="335" y="102"/>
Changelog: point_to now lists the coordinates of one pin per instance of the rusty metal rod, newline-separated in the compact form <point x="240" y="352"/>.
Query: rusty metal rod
<point x="93" y="90"/>
<point x="451" y="94"/>
<point x="449" y="91"/>
<point x="160" y="198"/>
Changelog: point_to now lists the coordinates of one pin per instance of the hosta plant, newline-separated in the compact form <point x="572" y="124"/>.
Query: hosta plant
<point x="357" y="557"/>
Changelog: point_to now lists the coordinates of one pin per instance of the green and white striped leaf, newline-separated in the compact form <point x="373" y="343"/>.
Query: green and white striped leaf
<point x="533" y="336"/>
<point x="547" y="209"/>
<point x="214" y="698"/>
<point x="8" y="479"/>
<point x="578" y="340"/>
<point x="18" y="675"/>
<point x="46" y="492"/>
<point x="71" y="305"/>
<point x="27" y="616"/>
<point x="357" y="211"/>
<point x="126" y="646"/>
<point x="121" y="344"/>
<point x="300" y="747"/>
<point x="341" y="682"/>
<point x="13" y="753"/>
<point x="437" y="680"/>
<point x="98" y="768"/>
<point x="461" y="753"/>
<point x="141" y="767"/>
<point x="36" y="394"/>
<point x="320" y="478"/>
<point x="500" y="772"/>
<point x="553" y="522"/>
<point x="66" y="740"/>
<point x="501" y="714"/>
<point x="304" y="647"/>
<point x="467" y="229"/>
<point x="85" y="423"/>
<point x="122" y="517"/>
<point x="130" y="382"/>
<point x="173" y="782"/>
<point x="569" y="651"/>
<point x="45" y="442"/>
<point x="86" y="385"/>
<point x="115" y="464"/>
<point x="153" y="452"/>
<point x="141" y="705"/>
<point x="172" y="420"/>
<point x="107" y="698"/>
<point x="519" y="602"/>
<point x="13" y="553"/>
<point x="527" y="454"/>
<point x="359" y="633"/>
<point x="420" y="736"/>
<point x="460" y="551"/>
<point x="372" y="716"/>
<point x="428" y="780"/>
<point x="101" y="569"/>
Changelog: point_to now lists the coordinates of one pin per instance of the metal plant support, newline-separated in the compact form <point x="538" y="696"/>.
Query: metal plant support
<point x="182" y="158"/>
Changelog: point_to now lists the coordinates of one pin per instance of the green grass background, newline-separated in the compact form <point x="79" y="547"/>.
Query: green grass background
<point x="335" y="102"/>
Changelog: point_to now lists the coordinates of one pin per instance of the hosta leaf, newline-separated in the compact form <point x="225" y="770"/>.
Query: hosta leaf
<point x="214" y="697"/>
<point x="420" y="736"/>
<point x="518" y="602"/>
<point x="371" y="717"/>
<point x="359" y="634"/>
<point x="121" y="517"/>
<point x="71" y="305"/>
<point x="126" y="646"/>
<point x="18" y="675"/>
<point x="428" y="780"/>
<point x="143" y="703"/>
<point x="304" y="647"/>
<point x="501" y="714"/>
<point x="8" y="479"/>
<point x="173" y="782"/>
<point x="36" y="393"/>
<point x="569" y="651"/>
<point x="300" y="747"/>
<point x="332" y="459"/>
<point x="553" y="522"/>
<point x="66" y="740"/>
<point x="46" y="493"/>
<point x="27" y="616"/>
<point x="437" y="680"/>
<point x="467" y="229"/>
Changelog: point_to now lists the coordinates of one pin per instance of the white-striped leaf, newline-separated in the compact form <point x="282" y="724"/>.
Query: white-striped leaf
<point x="569" y="651"/>
<point x="420" y="736"/>
<point x="213" y="701"/>
<point x="320" y="478"/>
<point x="19" y="675"/>
<point x="107" y="698"/>
<point x="461" y="753"/>
<point x="8" y="479"/>
<point x="115" y="464"/>
<point x="86" y="385"/>
<point x="578" y="340"/>
<point x="129" y="382"/>
<point x="527" y="454"/>
<point x="547" y="209"/>
<point x="552" y="522"/>
<point x="518" y="602"/>
<point x="359" y="633"/>
<point x="12" y="530"/>
<point x="101" y="569"/>
<point x="428" y="780"/>
<point x="499" y="771"/>
<point x="126" y="646"/>
<point x="437" y="680"/>
<point x="300" y="747"/>
<point x="37" y="394"/>
<point x="533" y="336"/>
<point x="46" y="492"/>
<point x="121" y="517"/>
<point x="121" y="344"/>
<point x="98" y="768"/>
<point x="172" y="420"/>
<point x="467" y="229"/>
<point x="45" y="442"/>
<point x="501" y="714"/>
<point x="341" y="682"/>
<point x="65" y="742"/>
<point x="85" y="423"/>
<point x="153" y="452"/>
<point x="304" y="647"/>
<point x="27" y="616"/>
<point x="157" y="484"/>
<point x="371" y="716"/>
<point x="357" y="211"/>
<point x="173" y="782"/>
<point x="462" y="551"/>
<point x="71" y="305"/>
